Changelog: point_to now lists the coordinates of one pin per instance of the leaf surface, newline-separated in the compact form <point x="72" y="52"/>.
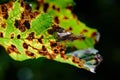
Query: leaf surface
<point x="27" y="34"/>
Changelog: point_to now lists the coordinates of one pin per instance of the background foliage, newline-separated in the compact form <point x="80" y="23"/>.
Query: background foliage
<point x="100" y="14"/>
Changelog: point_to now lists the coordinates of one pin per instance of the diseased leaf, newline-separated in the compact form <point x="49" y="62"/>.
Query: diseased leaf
<point x="27" y="34"/>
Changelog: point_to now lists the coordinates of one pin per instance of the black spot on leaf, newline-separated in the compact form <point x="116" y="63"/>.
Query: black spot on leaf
<point x="56" y="19"/>
<point x="1" y="35"/>
<point x="4" y="8"/>
<point x="5" y="16"/>
<point x="44" y="48"/>
<point x="18" y="36"/>
<point x="27" y="24"/>
<point x="46" y="5"/>
<point x="12" y="36"/>
<point x="25" y="45"/>
<point x="40" y="39"/>
<point x="3" y="25"/>
<point x="17" y="23"/>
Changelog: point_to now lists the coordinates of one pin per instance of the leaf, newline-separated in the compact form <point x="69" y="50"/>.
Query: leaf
<point x="29" y="35"/>
<point x="63" y="16"/>
<point x="24" y="34"/>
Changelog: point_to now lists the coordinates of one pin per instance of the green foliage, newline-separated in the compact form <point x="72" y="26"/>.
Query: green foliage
<point x="46" y="32"/>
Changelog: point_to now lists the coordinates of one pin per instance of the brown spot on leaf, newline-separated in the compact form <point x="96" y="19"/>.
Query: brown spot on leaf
<point x="3" y="25"/>
<point x="30" y="54"/>
<point x="56" y="19"/>
<point x="12" y="36"/>
<point x="1" y="35"/>
<point x="55" y="51"/>
<point x="44" y="48"/>
<point x="74" y="16"/>
<point x="28" y="7"/>
<point x="41" y="52"/>
<point x="10" y="4"/>
<point x="5" y="16"/>
<point x="50" y="31"/>
<point x="25" y="45"/>
<point x="75" y="60"/>
<point x="81" y="63"/>
<point x="65" y="17"/>
<point x="13" y="48"/>
<point x="31" y="36"/>
<point x="46" y="5"/>
<point x="93" y="34"/>
<point x="27" y="24"/>
<point x="85" y="30"/>
<point x="70" y="28"/>
<point x="53" y="44"/>
<point x="22" y="4"/>
<point x="70" y="7"/>
<point x="38" y="7"/>
<point x="54" y="7"/>
<point x="17" y="23"/>
<point x="34" y="14"/>
<point x="22" y="28"/>
<point x="51" y="56"/>
<point x="64" y="56"/>
<point x="22" y="15"/>
<point x="4" y="8"/>
<point x="58" y="9"/>
<point x="18" y="36"/>
<point x="40" y="39"/>
<point x="55" y="28"/>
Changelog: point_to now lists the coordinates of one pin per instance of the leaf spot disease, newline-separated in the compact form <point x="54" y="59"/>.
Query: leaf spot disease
<point x="5" y="16"/>
<point x="40" y="39"/>
<point x="25" y="45"/>
<point x="18" y="36"/>
<point x="3" y="25"/>
<point x="27" y="24"/>
<point x="1" y="35"/>
<point x="56" y="20"/>
<point x="17" y="23"/>
<point x="46" y="5"/>
<point x="30" y="36"/>
<point x="12" y="36"/>
<point x="12" y="49"/>
<point x="4" y="8"/>
<point x="30" y="54"/>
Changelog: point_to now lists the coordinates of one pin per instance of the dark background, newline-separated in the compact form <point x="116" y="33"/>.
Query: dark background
<point x="103" y="15"/>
